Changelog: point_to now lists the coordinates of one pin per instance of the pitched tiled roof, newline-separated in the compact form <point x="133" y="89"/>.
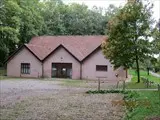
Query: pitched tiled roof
<point x="39" y="51"/>
<point x="78" y="46"/>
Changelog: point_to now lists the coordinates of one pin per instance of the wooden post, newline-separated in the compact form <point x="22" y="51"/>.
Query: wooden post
<point x="159" y="87"/>
<point x="98" y="84"/>
<point x="117" y="83"/>
<point x="123" y="85"/>
<point x="159" y="90"/>
<point x="150" y="82"/>
<point x="126" y="73"/>
<point x="147" y="83"/>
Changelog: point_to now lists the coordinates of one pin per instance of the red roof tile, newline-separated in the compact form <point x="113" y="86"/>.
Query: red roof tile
<point x="79" y="46"/>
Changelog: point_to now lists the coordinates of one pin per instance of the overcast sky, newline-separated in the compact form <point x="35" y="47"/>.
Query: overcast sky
<point x="106" y="3"/>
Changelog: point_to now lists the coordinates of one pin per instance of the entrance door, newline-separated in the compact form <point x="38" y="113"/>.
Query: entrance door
<point x="62" y="70"/>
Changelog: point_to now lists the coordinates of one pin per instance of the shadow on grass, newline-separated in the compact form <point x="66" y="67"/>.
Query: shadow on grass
<point x="135" y="85"/>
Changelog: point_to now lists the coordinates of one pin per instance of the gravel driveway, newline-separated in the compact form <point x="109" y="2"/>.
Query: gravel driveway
<point x="49" y="100"/>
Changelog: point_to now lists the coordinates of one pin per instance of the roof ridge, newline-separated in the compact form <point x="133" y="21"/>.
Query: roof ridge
<point x="67" y="36"/>
<point x="30" y="44"/>
<point x="34" y="45"/>
<point x="79" y="45"/>
<point x="74" y="49"/>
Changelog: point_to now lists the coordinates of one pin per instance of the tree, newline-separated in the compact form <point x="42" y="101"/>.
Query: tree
<point x="20" y="20"/>
<point x="111" y="12"/>
<point x="157" y="65"/>
<point x="156" y="39"/>
<point x="31" y="20"/>
<point x="73" y="19"/>
<point x="158" y="25"/>
<point x="9" y="27"/>
<point x="53" y="17"/>
<point x="128" y="35"/>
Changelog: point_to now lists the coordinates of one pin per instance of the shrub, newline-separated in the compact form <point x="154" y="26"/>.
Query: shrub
<point x="107" y="91"/>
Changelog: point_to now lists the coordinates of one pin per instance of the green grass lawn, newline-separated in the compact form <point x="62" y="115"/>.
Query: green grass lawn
<point x="2" y="77"/>
<point x="147" y="105"/>
<point x="2" y="73"/>
<point x="134" y="85"/>
<point x="143" y="74"/>
<point x="72" y="83"/>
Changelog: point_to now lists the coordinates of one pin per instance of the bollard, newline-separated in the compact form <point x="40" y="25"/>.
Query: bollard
<point x="98" y="84"/>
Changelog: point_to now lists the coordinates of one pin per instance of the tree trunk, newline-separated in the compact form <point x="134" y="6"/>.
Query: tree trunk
<point x="126" y="73"/>
<point x="137" y="64"/>
<point x="136" y="51"/>
<point x="148" y="70"/>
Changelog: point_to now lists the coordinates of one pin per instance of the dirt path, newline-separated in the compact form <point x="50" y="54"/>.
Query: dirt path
<point x="48" y="100"/>
<point x="155" y="74"/>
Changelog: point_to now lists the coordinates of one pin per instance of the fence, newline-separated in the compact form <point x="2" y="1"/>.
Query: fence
<point x="114" y="83"/>
<point x="149" y="83"/>
<point x="122" y="82"/>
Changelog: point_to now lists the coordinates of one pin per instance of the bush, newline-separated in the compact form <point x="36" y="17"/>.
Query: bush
<point x="106" y="91"/>
<point x="2" y="71"/>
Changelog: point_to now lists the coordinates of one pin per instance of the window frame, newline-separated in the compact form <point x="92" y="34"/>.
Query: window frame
<point x="25" y="68"/>
<point x="102" y="68"/>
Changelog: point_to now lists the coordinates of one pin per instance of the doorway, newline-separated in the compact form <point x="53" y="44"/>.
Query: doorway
<point x="62" y="70"/>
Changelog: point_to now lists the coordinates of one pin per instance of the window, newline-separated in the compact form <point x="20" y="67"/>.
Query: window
<point x="25" y="68"/>
<point x="101" y="68"/>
